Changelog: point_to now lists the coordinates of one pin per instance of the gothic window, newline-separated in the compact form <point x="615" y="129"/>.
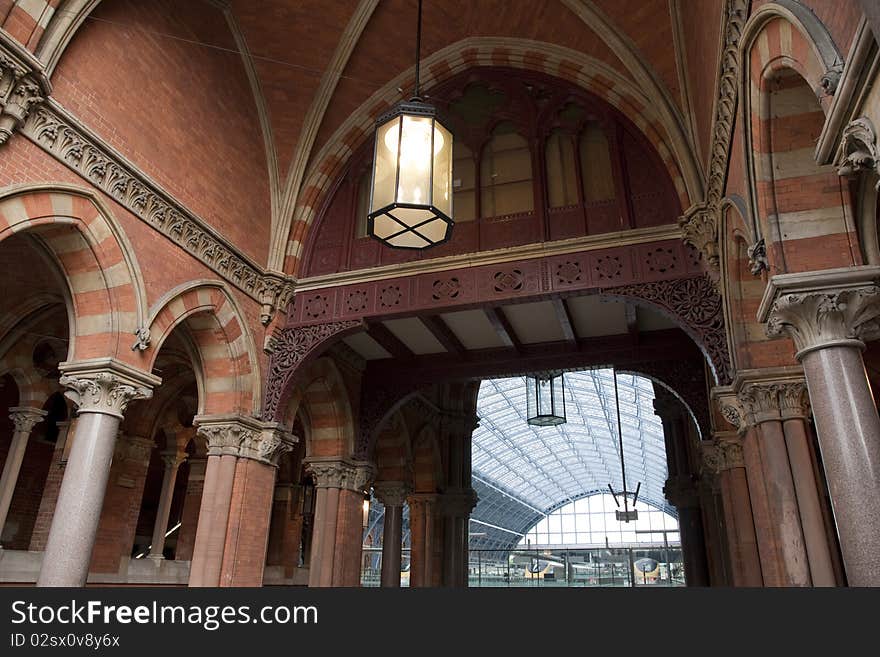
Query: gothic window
<point x="561" y="170"/>
<point x="598" y="181"/>
<point x="506" y="174"/>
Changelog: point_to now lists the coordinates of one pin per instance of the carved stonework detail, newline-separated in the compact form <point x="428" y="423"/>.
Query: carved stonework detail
<point x="290" y="348"/>
<point x="102" y="392"/>
<point x="134" y="448"/>
<point x="142" y="339"/>
<point x="794" y="400"/>
<point x="172" y="459"/>
<point x="728" y="454"/>
<point x="22" y="87"/>
<point x="391" y="493"/>
<point x="757" y="254"/>
<point x="700" y="226"/>
<point x="341" y="473"/>
<point x="697" y="304"/>
<point x="858" y="149"/>
<point x="50" y="128"/>
<point x="25" y="417"/>
<point x="268" y="446"/>
<point x="829" y="81"/>
<point x="225" y="438"/>
<point x="765" y="401"/>
<point x="817" y="318"/>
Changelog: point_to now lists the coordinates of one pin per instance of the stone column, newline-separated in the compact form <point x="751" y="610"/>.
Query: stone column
<point x="421" y="527"/>
<point x="24" y="418"/>
<point x="332" y="476"/>
<point x="761" y="405"/>
<point x="828" y="314"/>
<point x="727" y="460"/>
<point x="172" y="460"/>
<point x="455" y="506"/>
<point x="681" y="491"/>
<point x="392" y="494"/>
<point x="101" y="389"/>
<point x="189" y="519"/>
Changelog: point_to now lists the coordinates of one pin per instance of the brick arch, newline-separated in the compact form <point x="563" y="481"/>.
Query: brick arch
<point x="26" y="20"/>
<point x="799" y="205"/>
<point x="575" y="67"/>
<point x="98" y="264"/>
<point x="322" y="400"/>
<point x="228" y="370"/>
<point x="427" y="466"/>
<point x="392" y="453"/>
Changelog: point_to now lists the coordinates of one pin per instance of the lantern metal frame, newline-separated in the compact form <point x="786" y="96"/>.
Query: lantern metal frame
<point x="533" y="387"/>
<point x="419" y="110"/>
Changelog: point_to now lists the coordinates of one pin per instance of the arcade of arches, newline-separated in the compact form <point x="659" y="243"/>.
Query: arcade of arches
<point x="208" y="368"/>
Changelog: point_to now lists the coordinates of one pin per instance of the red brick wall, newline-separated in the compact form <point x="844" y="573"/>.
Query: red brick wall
<point x="181" y="111"/>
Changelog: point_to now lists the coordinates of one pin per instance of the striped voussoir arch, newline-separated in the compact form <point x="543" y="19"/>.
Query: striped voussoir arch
<point x="570" y="65"/>
<point x="802" y="206"/>
<point x="26" y="20"/>
<point x="106" y="301"/>
<point x="228" y="360"/>
<point x="392" y="455"/>
<point x="33" y="388"/>
<point x="323" y="397"/>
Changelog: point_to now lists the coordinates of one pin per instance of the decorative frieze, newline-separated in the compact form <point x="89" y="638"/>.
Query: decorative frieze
<point x="26" y="417"/>
<point x="59" y="134"/>
<point x="341" y="473"/>
<point x="105" y="385"/>
<point x="700" y="223"/>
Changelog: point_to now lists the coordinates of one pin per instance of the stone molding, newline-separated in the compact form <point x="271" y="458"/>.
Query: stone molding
<point x="244" y="437"/>
<point x="343" y="473"/>
<point x="457" y="503"/>
<point x="823" y="308"/>
<point x="25" y="417"/>
<point x="61" y="135"/>
<point x="700" y="223"/>
<point x="392" y="493"/>
<point x="105" y="385"/>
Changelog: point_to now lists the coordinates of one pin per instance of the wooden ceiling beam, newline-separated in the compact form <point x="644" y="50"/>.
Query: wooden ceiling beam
<point x="563" y="315"/>
<point x="445" y="335"/>
<point x="389" y="342"/>
<point x="503" y="328"/>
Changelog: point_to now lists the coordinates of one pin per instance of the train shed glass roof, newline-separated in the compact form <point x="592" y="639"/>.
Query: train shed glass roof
<point x="523" y="472"/>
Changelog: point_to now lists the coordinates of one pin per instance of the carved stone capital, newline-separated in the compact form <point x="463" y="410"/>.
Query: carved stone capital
<point x="224" y="435"/>
<point x="682" y="492"/>
<point x="274" y="293"/>
<point x="268" y="445"/>
<point x="22" y="86"/>
<point x="105" y="385"/>
<point x="341" y="473"/>
<point x="821" y="309"/>
<point x="457" y="503"/>
<point x="858" y="149"/>
<point x="391" y="493"/>
<point x="757" y="396"/>
<point x="699" y="226"/>
<point x="173" y="458"/>
<point x="25" y="417"/>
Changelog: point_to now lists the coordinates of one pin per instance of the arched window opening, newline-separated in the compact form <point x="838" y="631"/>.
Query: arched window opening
<point x="362" y="207"/>
<point x="464" y="171"/>
<point x="596" y="171"/>
<point x="561" y="170"/>
<point x="506" y="174"/>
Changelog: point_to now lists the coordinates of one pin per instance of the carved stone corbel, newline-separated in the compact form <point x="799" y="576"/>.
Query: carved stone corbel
<point x="757" y="254"/>
<point x="22" y="86"/>
<point x="699" y="226"/>
<point x="858" y="149"/>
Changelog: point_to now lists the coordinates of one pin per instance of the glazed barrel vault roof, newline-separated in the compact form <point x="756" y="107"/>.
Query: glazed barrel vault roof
<point x="522" y="472"/>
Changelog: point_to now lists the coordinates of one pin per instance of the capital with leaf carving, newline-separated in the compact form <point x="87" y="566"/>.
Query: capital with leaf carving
<point x="346" y="474"/>
<point x="391" y="493"/>
<point x="25" y="417"/>
<point x="834" y="307"/>
<point x="105" y="385"/>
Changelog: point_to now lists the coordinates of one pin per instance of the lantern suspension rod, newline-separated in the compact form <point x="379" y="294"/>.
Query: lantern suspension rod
<point x="418" y="49"/>
<point x="620" y="440"/>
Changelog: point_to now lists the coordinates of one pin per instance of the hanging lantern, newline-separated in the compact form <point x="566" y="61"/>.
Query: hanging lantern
<point x="545" y="399"/>
<point x="411" y="190"/>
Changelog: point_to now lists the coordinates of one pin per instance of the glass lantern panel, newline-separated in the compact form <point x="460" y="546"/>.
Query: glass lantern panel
<point x="385" y="164"/>
<point x="408" y="240"/>
<point x="442" y="198"/>
<point x="434" y="231"/>
<point x="384" y="226"/>
<point x="416" y="158"/>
